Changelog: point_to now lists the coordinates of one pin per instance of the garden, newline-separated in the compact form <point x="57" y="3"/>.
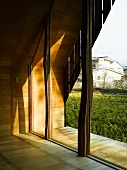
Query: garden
<point x="109" y="113"/>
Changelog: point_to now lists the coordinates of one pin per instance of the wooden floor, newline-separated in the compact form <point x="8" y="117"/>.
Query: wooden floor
<point x="107" y="149"/>
<point x="29" y="152"/>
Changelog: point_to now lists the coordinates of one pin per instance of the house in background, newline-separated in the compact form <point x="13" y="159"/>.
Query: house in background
<point x="106" y="72"/>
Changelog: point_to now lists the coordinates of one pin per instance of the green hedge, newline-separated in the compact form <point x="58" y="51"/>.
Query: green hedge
<point x="109" y="114"/>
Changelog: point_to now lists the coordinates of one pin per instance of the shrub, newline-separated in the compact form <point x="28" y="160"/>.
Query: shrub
<point x="109" y="114"/>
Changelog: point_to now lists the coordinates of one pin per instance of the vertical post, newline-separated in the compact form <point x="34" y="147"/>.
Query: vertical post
<point x="86" y="95"/>
<point x="72" y="68"/>
<point x="47" y="78"/>
<point x="66" y="80"/>
<point x="30" y="95"/>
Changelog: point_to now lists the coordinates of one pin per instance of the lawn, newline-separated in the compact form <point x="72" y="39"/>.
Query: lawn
<point x="109" y="114"/>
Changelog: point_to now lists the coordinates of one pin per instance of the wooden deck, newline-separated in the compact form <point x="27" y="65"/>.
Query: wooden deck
<point x="107" y="149"/>
<point x="30" y="152"/>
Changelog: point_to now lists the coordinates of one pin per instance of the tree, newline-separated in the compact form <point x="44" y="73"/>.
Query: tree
<point x="104" y="78"/>
<point x="122" y="83"/>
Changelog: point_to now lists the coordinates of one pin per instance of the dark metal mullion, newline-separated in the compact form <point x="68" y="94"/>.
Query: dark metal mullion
<point x="74" y="60"/>
<point x="30" y="95"/>
<point x="47" y="76"/>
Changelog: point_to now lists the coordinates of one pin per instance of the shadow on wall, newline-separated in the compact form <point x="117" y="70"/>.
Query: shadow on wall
<point x="19" y="79"/>
<point x="19" y="101"/>
<point x="23" y="54"/>
<point x="21" y="27"/>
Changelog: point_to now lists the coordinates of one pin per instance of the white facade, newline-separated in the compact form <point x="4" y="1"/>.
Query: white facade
<point x="106" y="72"/>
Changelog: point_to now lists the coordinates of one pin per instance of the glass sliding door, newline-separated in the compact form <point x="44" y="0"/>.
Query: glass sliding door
<point x="40" y="83"/>
<point x="66" y="98"/>
<point x="37" y="89"/>
<point x="38" y="100"/>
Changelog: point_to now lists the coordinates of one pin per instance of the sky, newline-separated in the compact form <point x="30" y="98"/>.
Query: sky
<point x="112" y="40"/>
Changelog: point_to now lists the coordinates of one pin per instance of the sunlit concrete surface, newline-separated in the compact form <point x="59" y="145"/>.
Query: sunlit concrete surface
<point x="29" y="152"/>
<point x="105" y="148"/>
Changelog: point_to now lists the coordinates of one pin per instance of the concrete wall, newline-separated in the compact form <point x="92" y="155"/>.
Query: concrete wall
<point x="5" y="97"/>
<point x="13" y="100"/>
<point x="20" y="32"/>
<point x="19" y="99"/>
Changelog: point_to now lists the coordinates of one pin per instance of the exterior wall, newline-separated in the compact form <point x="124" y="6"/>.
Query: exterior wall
<point x="105" y="77"/>
<point x="38" y="100"/>
<point x="65" y="26"/>
<point x="20" y="33"/>
<point x="117" y="67"/>
<point x="107" y="63"/>
<point x="104" y="63"/>
<point x="57" y="97"/>
<point x="106" y="72"/>
<point x="19" y="99"/>
<point x="13" y="100"/>
<point x="18" y="48"/>
<point x="5" y="97"/>
<point x="95" y="64"/>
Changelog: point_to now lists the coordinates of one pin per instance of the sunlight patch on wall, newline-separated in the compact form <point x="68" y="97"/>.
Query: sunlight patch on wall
<point x="55" y="48"/>
<point x="15" y="123"/>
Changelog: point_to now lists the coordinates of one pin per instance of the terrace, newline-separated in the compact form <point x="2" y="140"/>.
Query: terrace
<point x="107" y="149"/>
<point x="27" y="151"/>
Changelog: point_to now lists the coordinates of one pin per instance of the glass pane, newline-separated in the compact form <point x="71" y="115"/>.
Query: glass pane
<point x="65" y="105"/>
<point x="38" y="100"/>
<point x="109" y="112"/>
<point x="65" y="130"/>
<point x="108" y="125"/>
<point x="38" y="90"/>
